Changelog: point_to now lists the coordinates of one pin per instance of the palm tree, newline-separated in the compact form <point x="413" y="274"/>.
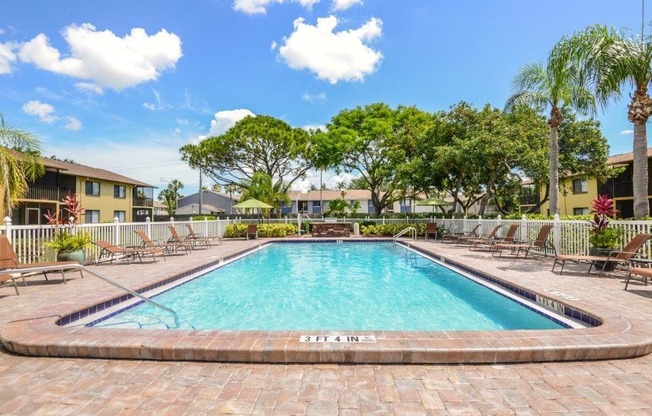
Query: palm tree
<point x="611" y="60"/>
<point x="554" y="86"/>
<point x="170" y="195"/>
<point x="19" y="164"/>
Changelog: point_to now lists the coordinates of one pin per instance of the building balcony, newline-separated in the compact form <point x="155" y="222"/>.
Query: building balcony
<point x="528" y="200"/>
<point x="143" y="202"/>
<point x="44" y="193"/>
<point x="617" y="190"/>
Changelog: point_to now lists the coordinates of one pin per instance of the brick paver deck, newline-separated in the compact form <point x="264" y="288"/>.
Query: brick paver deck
<point x="37" y="385"/>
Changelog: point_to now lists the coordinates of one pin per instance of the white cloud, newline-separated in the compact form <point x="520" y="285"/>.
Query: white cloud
<point x="339" y="5"/>
<point x="224" y="120"/>
<point x="89" y="87"/>
<point x="318" y="98"/>
<point x="333" y="56"/>
<point x="334" y="181"/>
<point x="73" y="124"/>
<point x="626" y="132"/>
<point x="43" y="111"/>
<point x="2" y="31"/>
<point x="104" y="58"/>
<point x="159" y="105"/>
<point x="183" y="121"/>
<point x="7" y="57"/>
<point x="309" y="127"/>
<point x="273" y="45"/>
<point x="260" y="6"/>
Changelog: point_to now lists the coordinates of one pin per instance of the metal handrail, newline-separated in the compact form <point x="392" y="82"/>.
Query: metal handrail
<point x="106" y="279"/>
<point x="405" y="231"/>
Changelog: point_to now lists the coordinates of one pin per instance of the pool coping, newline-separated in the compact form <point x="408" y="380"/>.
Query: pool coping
<point x="38" y="334"/>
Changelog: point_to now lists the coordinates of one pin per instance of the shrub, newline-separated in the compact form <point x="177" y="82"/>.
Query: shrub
<point x="264" y="230"/>
<point x="390" y="229"/>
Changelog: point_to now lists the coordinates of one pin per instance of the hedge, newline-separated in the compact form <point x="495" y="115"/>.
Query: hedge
<point x="264" y="230"/>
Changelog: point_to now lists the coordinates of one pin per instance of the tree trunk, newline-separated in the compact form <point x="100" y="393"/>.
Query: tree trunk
<point x="553" y="122"/>
<point x="640" y="179"/>
<point x="638" y="112"/>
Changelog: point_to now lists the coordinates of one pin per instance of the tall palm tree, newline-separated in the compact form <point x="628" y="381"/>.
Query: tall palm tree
<point x="611" y="60"/>
<point x="551" y="87"/>
<point x="19" y="164"/>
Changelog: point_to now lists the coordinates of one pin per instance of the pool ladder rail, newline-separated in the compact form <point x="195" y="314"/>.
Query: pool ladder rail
<point x="405" y="231"/>
<point x="96" y="274"/>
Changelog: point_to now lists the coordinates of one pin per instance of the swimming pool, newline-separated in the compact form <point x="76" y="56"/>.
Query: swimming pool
<point x="328" y="286"/>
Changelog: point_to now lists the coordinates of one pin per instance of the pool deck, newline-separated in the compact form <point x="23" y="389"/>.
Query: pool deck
<point x="82" y="386"/>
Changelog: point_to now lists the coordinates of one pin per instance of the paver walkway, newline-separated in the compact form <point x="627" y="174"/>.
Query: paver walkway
<point x="46" y="386"/>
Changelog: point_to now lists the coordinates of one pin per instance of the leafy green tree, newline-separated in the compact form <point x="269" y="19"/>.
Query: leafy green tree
<point x="19" y="164"/>
<point x="374" y="141"/>
<point x="358" y="183"/>
<point x="612" y="60"/>
<point x="170" y="195"/>
<point x="551" y="87"/>
<point x="254" y="144"/>
<point x="261" y="188"/>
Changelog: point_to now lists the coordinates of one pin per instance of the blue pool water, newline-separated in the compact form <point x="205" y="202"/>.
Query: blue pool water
<point x="328" y="286"/>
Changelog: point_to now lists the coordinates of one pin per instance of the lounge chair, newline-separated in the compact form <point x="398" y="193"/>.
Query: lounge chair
<point x="177" y="239"/>
<point x="111" y="252"/>
<point x="481" y="238"/>
<point x="252" y="231"/>
<point x="539" y="243"/>
<point x="643" y="272"/>
<point x="508" y="238"/>
<point x="432" y="230"/>
<point x="615" y="257"/>
<point x="9" y="260"/>
<point x="472" y="234"/>
<point x="192" y="235"/>
<point x="168" y="247"/>
<point x="7" y="279"/>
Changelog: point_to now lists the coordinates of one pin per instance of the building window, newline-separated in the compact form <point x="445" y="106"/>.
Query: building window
<point x="92" y="188"/>
<point x="92" y="216"/>
<point x="316" y="207"/>
<point x="406" y="206"/>
<point x="303" y="206"/>
<point x="120" y="215"/>
<point x="581" y="211"/>
<point x="580" y="186"/>
<point x="119" y="191"/>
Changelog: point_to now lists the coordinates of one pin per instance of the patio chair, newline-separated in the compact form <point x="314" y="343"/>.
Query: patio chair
<point x="7" y="279"/>
<point x="111" y="252"/>
<point x="615" y="257"/>
<point x="481" y="238"/>
<point x="508" y="238"/>
<point x="252" y="231"/>
<point x="472" y="234"/>
<point x="9" y="260"/>
<point x="643" y="272"/>
<point x="192" y="235"/>
<point x="168" y="247"/>
<point x="176" y="238"/>
<point x="432" y="230"/>
<point x="541" y="242"/>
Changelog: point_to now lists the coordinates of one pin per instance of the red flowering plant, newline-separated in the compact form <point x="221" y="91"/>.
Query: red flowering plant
<point x="63" y="239"/>
<point x="602" y="208"/>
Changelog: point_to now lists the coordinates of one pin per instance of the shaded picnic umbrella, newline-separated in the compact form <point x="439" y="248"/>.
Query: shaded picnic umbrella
<point x="434" y="202"/>
<point x="252" y="203"/>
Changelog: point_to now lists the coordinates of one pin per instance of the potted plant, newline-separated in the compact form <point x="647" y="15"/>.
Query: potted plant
<point x="603" y="238"/>
<point x="68" y="244"/>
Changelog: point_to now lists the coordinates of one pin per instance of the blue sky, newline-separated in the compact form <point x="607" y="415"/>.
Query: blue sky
<point x="122" y="85"/>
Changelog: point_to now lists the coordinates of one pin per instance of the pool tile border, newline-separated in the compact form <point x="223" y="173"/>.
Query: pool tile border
<point x="39" y="334"/>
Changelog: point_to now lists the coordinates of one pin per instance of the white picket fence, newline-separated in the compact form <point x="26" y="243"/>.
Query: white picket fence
<point x="567" y="237"/>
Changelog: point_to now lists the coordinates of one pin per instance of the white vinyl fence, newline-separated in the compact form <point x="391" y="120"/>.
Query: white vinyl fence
<point x="567" y="237"/>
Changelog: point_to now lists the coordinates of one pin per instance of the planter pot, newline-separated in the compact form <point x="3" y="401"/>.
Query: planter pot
<point x="603" y="252"/>
<point x="74" y="255"/>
